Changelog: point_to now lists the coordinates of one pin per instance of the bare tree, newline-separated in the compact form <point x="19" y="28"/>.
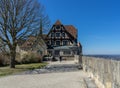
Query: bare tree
<point x="18" y="19"/>
<point x="2" y="47"/>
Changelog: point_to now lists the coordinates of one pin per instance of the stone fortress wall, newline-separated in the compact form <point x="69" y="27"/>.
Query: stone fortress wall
<point x="105" y="72"/>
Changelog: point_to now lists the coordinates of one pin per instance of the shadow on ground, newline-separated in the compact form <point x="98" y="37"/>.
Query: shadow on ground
<point x="54" y="69"/>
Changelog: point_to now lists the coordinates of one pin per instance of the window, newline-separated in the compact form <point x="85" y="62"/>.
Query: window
<point x="57" y="27"/>
<point x="58" y="43"/>
<point x="63" y="34"/>
<point x="66" y="52"/>
<point x="52" y="34"/>
<point x="48" y="42"/>
<point x="57" y="52"/>
<point x="58" y="34"/>
<point x="65" y="43"/>
<point x="49" y="35"/>
<point x="52" y="42"/>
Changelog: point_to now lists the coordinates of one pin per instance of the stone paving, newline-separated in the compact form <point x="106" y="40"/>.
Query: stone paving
<point x="55" y="67"/>
<point x="56" y="75"/>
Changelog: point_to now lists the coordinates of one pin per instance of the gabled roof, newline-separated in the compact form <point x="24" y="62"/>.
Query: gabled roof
<point x="57" y="22"/>
<point x="72" y="30"/>
<point x="28" y="43"/>
<point x="69" y="28"/>
<point x="32" y="42"/>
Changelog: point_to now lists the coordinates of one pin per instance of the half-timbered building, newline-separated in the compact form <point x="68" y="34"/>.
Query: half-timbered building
<point x="62" y="40"/>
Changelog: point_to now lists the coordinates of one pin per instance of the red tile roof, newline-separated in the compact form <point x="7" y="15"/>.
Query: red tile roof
<point x="72" y="30"/>
<point x="28" y="43"/>
<point x="57" y="22"/>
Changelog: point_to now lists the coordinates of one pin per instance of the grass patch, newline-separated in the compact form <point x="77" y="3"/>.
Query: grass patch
<point x="20" y="68"/>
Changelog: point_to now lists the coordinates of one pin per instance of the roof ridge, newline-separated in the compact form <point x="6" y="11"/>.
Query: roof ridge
<point x="58" y="22"/>
<point x="71" y="26"/>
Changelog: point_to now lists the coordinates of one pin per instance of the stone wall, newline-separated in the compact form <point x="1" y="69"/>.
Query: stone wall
<point x="105" y="72"/>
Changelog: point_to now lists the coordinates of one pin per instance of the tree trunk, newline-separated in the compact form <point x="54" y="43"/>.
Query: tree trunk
<point x="12" y="57"/>
<point x="12" y="61"/>
<point x="41" y="30"/>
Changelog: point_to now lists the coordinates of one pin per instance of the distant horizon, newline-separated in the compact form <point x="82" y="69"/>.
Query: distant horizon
<point x="101" y="54"/>
<point x="97" y="21"/>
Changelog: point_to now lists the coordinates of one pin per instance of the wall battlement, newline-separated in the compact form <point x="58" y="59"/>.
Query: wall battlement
<point x="105" y="72"/>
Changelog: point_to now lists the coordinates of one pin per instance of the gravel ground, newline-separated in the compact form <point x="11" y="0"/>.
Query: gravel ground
<point x="56" y="79"/>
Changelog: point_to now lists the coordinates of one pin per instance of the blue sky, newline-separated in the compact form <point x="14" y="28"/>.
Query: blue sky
<point x="97" y="21"/>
